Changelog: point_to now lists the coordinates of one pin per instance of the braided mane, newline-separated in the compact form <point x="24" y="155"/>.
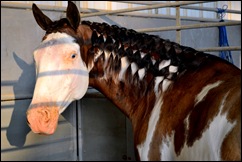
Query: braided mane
<point x="128" y="42"/>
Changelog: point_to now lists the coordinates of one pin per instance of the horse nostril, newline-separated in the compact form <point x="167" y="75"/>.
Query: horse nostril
<point x="45" y="115"/>
<point x="27" y="121"/>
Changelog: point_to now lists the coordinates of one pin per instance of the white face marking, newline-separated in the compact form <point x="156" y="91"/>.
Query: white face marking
<point x="124" y="65"/>
<point x="164" y="63"/>
<point x="207" y="148"/>
<point x="134" y="67"/>
<point x="173" y="69"/>
<point x="61" y="78"/>
<point x="205" y="90"/>
<point x="143" y="148"/>
<point x="165" y="84"/>
<point x="141" y="73"/>
<point x="158" y="79"/>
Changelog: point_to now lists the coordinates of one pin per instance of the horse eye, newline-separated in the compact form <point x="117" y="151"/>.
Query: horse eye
<point x="73" y="55"/>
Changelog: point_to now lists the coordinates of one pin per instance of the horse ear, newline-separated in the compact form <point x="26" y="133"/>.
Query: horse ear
<point x="41" y="18"/>
<point x="73" y="15"/>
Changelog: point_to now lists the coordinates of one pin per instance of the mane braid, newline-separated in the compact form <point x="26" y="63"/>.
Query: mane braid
<point x="147" y="51"/>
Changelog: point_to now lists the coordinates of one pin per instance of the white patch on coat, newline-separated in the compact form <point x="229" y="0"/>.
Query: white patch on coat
<point x="153" y="61"/>
<point x="207" y="148"/>
<point x="98" y="34"/>
<point x="113" y="41"/>
<point x="124" y="65"/>
<point x="104" y="39"/>
<point x="141" y="73"/>
<point x="98" y="54"/>
<point x="107" y="55"/>
<point x="134" y="67"/>
<point x="165" y="84"/>
<point x="119" y="46"/>
<point x="144" y="147"/>
<point x="164" y="63"/>
<point x="205" y="90"/>
<point x="173" y="69"/>
<point x="142" y="54"/>
<point x="158" y="79"/>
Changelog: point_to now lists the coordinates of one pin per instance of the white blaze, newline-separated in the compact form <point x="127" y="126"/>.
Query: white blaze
<point x="61" y="78"/>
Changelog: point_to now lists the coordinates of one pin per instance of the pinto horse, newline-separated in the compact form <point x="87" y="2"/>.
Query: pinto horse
<point x="183" y="104"/>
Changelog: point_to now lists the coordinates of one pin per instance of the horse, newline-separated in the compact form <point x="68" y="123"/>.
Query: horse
<point x="183" y="104"/>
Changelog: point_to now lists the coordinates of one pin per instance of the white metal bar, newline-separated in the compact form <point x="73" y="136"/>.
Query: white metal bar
<point x="84" y="10"/>
<point x="183" y="7"/>
<point x="143" y="8"/>
<point x="193" y="26"/>
<point x="160" y="16"/>
<point x="178" y="23"/>
<point x="229" y="48"/>
<point x="29" y="6"/>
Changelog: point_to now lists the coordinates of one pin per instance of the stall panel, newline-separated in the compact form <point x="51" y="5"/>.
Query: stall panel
<point x="19" y="143"/>
<point x="105" y="133"/>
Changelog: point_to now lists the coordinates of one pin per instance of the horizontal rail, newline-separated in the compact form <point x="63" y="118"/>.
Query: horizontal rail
<point x="161" y="16"/>
<point x="58" y="8"/>
<point x="193" y="26"/>
<point x="183" y="7"/>
<point x="91" y="93"/>
<point x="213" y="49"/>
<point x="29" y="6"/>
<point x="174" y="4"/>
<point x="85" y="10"/>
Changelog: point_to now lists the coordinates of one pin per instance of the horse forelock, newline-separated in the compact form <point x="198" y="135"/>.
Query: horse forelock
<point x="63" y="26"/>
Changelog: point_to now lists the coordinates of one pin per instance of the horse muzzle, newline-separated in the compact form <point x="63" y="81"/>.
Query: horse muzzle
<point x="43" y="120"/>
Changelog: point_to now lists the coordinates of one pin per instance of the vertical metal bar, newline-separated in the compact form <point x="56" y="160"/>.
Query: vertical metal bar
<point x="178" y="23"/>
<point x="109" y="5"/>
<point x="85" y="4"/>
<point x="78" y="141"/>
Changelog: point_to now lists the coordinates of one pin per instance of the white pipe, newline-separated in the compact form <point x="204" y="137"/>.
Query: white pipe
<point x="143" y="8"/>
<point x="183" y="7"/>
<point x="229" y="48"/>
<point x="193" y="26"/>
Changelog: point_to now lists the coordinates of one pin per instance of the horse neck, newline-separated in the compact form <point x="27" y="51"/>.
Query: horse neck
<point x="127" y="67"/>
<point x="131" y="95"/>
